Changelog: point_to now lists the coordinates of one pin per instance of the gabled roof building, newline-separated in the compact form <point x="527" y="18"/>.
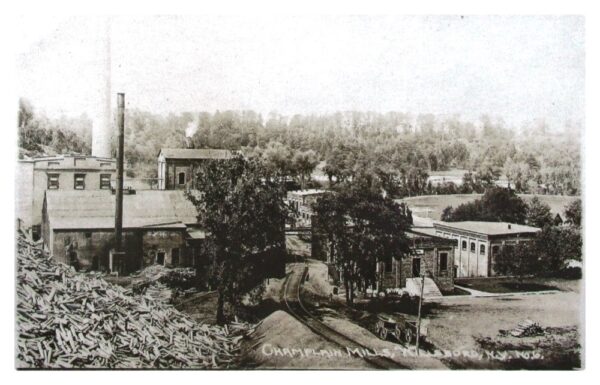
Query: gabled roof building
<point x="159" y="227"/>
<point x="176" y="166"/>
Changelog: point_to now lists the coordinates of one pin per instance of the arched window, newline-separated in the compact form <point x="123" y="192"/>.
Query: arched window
<point x="482" y="249"/>
<point x="464" y="245"/>
<point x="182" y="178"/>
<point x="472" y="247"/>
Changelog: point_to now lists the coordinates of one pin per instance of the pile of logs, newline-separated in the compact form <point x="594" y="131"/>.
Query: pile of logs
<point x="67" y="319"/>
<point x="164" y="283"/>
<point x="160" y="292"/>
<point x="527" y="328"/>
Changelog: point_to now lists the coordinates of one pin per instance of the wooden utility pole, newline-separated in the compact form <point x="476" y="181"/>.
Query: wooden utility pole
<point x="117" y="256"/>
<point x="419" y="312"/>
<point x="119" y="190"/>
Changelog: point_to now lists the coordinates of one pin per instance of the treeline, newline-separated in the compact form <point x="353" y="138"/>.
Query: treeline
<point x="39" y="135"/>
<point x="402" y="150"/>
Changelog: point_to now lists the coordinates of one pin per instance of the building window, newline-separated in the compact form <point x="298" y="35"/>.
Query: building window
<point x="482" y="249"/>
<point x="88" y="235"/>
<point x="105" y="181"/>
<point x="464" y="245"/>
<point x="52" y="181"/>
<point x="182" y="178"/>
<point x="472" y="247"/>
<point x="443" y="261"/>
<point x="495" y="249"/>
<point x="79" y="181"/>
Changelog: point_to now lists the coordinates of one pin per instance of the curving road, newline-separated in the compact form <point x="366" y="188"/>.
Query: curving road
<point x="296" y="308"/>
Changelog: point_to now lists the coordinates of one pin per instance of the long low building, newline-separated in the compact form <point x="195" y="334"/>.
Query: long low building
<point x="158" y="227"/>
<point x="478" y="243"/>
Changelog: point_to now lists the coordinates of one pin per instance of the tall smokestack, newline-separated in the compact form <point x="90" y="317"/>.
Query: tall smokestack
<point x="102" y="123"/>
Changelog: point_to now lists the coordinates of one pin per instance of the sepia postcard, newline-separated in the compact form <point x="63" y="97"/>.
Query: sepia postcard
<point x="300" y="192"/>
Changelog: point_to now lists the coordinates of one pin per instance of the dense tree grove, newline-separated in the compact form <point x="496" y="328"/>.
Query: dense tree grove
<point x="539" y="213"/>
<point x="40" y="136"/>
<point x="549" y="254"/>
<point x="361" y="228"/>
<point x="496" y="205"/>
<point x="402" y="150"/>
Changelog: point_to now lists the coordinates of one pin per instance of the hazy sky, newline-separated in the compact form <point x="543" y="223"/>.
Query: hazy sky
<point x="520" y="68"/>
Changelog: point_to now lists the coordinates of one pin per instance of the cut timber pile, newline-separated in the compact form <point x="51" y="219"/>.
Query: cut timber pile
<point x="164" y="283"/>
<point x="67" y="319"/>
<point x="160" y="292"/>
<point x="527" y="328"/>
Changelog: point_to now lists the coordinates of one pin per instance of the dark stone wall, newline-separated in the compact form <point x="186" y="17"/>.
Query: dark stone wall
<point x="429" y="265"/>
<point x="91" y="249"/>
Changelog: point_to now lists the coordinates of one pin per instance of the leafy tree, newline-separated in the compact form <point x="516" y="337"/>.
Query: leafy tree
<point x="538" y="213"/>
<point x="242" y="209"/>
<point x="556" y="246"/>
<point x="362" y="228"/>
<point x="573" y="213"/>
<point x="277" y="158"/>
<point x="305" y="163"/>
<point x="517" y="260"/>
<point x="557" y="220"/>
<point x="496" y="205"/>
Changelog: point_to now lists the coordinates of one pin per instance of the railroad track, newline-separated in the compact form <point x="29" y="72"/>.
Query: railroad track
<point x="296" y="308"/>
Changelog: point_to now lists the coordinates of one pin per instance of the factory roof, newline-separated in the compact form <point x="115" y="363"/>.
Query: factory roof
<point x="307" y="192"/>
<point x="70" y="210"/>
<point x="195" y="153"/>
<point x="487" y="228"/>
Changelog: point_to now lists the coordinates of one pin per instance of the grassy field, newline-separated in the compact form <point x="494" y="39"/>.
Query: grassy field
<point x="510" y="285"/>
<point x="431" y="206"/>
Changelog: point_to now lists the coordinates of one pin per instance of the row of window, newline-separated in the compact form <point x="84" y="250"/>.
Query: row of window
<point x="78" y="181"/>
<point x="473" y="247"/>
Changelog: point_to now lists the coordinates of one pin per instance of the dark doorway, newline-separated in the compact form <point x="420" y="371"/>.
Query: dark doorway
<point x="416" y="267"/>
<point x="160" y="257"/>
<point x="443" y="261"/>
<point x="175" y="257"/>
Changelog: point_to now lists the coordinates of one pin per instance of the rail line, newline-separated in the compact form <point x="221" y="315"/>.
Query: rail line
<point x="297" y="309"/>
